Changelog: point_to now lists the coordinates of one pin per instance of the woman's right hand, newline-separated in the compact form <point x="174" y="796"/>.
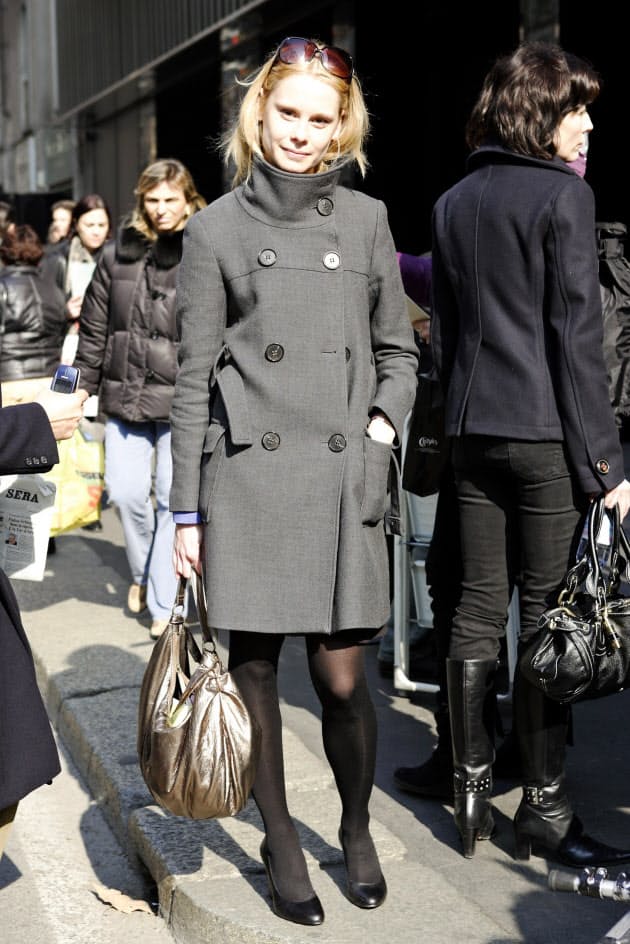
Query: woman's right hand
<point x="187" y="549"/>
<point x="619" y="495"/>
<point x="73" y="307"/>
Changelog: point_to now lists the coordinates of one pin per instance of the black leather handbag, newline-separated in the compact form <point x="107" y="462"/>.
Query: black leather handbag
<point x="582" y="650"/>
<point x="427" y="450"/>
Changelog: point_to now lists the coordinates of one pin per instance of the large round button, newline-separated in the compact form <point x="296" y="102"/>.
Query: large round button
<point x="267" y="257"/>
<point x="337" y="442"/>
<point x="602" y="466"/>
<point x="324" y="206"/>
<point x="155" y="335"/>
<point x="149" y="375"/>
<point x="270" y="441"/>
<point x="332" y="260"/>
<point x="274" y="352"/>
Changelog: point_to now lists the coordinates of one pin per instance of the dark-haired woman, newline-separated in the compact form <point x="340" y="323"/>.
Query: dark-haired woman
<point x="74" y="260"/>
<point x="32" y="318"/>
<point x="517" y="339"/>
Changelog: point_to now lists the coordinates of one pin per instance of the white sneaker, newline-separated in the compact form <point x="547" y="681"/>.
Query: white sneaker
<point x="137" y="597"/>
<point x="157" y="627"/>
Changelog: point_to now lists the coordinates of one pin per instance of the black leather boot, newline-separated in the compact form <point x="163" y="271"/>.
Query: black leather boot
<point x="432" y="779"/>
<point x="545" y="823"/>
<point x="471" y="706"/>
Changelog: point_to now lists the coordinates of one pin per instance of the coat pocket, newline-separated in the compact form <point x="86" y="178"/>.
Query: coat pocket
<point x="376" y="460"/>
<point x="211" y="461"/>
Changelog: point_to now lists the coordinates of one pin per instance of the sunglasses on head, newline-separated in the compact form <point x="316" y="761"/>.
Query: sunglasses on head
<point x="336" y="61"/>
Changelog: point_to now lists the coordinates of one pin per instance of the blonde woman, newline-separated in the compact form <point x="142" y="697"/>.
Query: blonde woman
<point x="297" y="369"/>
<point x="128" y="354"/>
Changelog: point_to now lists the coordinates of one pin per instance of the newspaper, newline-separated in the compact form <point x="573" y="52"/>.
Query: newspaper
<point x="26" y="510"/>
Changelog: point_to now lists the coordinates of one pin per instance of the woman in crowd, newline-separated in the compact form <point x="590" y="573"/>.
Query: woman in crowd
<point x="74" y="259"/>
<point x="128" y="354"/>
<point x="32" y="318"/>
<point x="297" y="369"/>
<point x="517" y="339"/>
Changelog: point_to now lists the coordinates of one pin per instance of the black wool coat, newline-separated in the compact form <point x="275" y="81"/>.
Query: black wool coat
<point x="516" y="327"/>
<point x="28" y="754"/>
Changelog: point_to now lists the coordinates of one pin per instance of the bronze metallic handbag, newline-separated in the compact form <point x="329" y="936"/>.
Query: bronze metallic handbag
<point x="197" y="743"/>
<point x="582" y="649"/>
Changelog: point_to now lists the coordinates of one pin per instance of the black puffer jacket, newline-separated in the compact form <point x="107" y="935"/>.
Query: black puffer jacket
<point x="128" y="340"/>
<point x="33" y="323"/>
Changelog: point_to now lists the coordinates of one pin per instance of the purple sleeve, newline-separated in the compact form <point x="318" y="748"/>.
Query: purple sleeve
<point x="416" y="276"/>
<point x="186" y="517"/>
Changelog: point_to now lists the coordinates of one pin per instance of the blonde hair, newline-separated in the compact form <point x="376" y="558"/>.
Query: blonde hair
<point x="241" y="142"/>
<point x="170" y="171"/>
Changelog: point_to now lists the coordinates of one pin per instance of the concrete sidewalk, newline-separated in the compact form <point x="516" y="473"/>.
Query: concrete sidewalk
<point x="91" y="653"/>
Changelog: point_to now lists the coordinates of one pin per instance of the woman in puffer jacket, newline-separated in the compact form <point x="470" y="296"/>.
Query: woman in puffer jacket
<point x="128" y="354"/>
<point x="32" y="317"/>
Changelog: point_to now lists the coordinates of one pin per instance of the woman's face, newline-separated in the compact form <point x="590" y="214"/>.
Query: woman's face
<point x="571" y="134"/>
<point x="300" y="117"/>
<point x="166" y="207"/>
<point x="92" y="229"/>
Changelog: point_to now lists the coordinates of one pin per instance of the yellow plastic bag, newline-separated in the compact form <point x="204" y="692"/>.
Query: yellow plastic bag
<point x="79" y="476"/>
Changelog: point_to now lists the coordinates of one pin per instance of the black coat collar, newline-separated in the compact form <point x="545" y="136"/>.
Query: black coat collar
<point x="166" y="250"/>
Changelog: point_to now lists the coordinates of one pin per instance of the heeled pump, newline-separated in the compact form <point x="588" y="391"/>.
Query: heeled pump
<point x="309" y="912"/>
<point x="363" y="894"/>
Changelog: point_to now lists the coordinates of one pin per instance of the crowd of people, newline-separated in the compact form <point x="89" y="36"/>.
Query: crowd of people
<point x="255" y="365"/>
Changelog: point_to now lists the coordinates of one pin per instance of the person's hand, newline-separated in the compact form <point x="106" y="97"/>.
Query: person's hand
<point x="73" y="307"/>
<point x="187" y="549"/>
<point x="380" y="429"/>
<point x="64" y="410"/>
<point x="619" y="495"/>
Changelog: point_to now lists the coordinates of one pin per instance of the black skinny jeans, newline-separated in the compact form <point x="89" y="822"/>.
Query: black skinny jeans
<point x="510" y="491"/>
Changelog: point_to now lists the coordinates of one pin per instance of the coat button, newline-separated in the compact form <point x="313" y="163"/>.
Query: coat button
<point x="270" y="441"/>
<point x="154" y="335"/>
<point x="347" y="353"/>
<point x="149" y="375"/>
<point x="324" y="206"/>
<point x="274" y="352"/>
<point x="267" y="257"/>
<point x="337" y="442"/>
<point x="332" y="260"/>
<point x="602" y="466"/>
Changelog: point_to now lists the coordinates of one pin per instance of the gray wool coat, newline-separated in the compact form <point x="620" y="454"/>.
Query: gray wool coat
<point x="293" y="330"/>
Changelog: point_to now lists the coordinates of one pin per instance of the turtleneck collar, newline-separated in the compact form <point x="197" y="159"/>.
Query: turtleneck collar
<point x="277" y="197"/>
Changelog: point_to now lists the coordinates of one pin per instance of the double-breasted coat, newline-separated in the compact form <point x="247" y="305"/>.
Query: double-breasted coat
<point x="293" y="330"/>
<point x="28" y="754"/>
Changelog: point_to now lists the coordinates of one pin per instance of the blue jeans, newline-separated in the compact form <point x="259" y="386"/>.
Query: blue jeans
<point x="137" y="467"/>
<point x="510" y="491"/>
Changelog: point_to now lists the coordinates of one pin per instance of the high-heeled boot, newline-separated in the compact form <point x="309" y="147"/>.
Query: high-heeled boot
<point x="471" y="707"/>
<point x="545" y="823"/>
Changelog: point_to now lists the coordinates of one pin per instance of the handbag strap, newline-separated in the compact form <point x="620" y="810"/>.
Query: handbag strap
<point x="199" y="594"/>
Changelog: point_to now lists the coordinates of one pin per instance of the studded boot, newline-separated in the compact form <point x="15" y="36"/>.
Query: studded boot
<point x="471" y="706"/>
<point x="545" y="823"/>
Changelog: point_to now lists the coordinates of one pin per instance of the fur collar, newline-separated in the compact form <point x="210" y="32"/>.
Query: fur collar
<point x="166" y="251"/>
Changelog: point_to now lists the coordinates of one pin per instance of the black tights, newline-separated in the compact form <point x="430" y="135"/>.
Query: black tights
<point x="336" y="666"/>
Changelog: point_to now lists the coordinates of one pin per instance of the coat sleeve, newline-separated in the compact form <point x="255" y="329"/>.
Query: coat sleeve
<point x="575" y="317"/>
<point x="393" y="345"/>
<point x="201" y="318"/>
<point x="94" y="323"/>
<point x="27" y="443"/>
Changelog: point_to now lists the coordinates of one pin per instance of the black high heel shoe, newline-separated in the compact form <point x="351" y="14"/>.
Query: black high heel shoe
<point x="300" y="912"/>
<point x="363" y="894"/>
